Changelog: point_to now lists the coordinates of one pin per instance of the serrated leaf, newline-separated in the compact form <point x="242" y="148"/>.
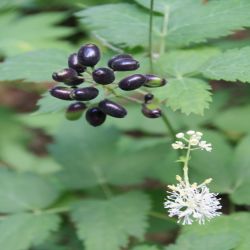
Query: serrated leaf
<point x="36" y="66"/>
<point x="178" y="63"/>
<point x="235" y="224"/>
<point x="95" y="156"/>
<point x="215" y="17"/>
<point x="31" y="32"/>
<point x="21" y="231"/>
<point x="190" y="95"/>
<point x="232" y="65"/>
<point x="241" y="166"/>
<point x="107" y="224"/>
<point x="24" y="192"/>
<point x="184" y="27"/>
<point x="228" y="120"/>
<point x="126" y="27"/>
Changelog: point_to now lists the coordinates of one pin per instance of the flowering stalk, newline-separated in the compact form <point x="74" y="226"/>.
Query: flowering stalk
<point x="191" y="202"/>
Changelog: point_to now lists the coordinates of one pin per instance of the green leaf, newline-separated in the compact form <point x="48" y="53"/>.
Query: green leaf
<point x="190" y="95"/>
<point x="223" y="241"/>
<point x="24" y="192"/>
<point x="240" y="165"/>
<point x="36" y="66"/>
<point x="31" y="32"/>
<point x="228" y="120"/>
<point x="13" y="142"/>
<point x="237" y="225"/>
<point x="126" y="27"/>
<point x="178" y="63"/>
<point x="87" y="162"/>
<point x="232" y="65"/>
<point x="215" y="17"/>
<point x="107" y="224"/>
<point x="21" y="231"/>
<point x="145" y="247"/>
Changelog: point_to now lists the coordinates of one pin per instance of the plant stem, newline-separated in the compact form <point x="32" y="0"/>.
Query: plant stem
<point x="185" y="167"/>
<point x="150" y="40"/>
<point x="164" y="31"/>
<point x="168" y="125"/>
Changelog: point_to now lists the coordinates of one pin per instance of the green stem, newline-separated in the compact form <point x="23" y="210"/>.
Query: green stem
<point x="168" y="125"/>
<point x="164" y="31"/>
<point x="185" y="167"/>
<point x="150" y="40"/>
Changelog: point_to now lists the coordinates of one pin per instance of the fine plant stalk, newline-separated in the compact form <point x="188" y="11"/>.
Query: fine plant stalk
<point x="185" y="167"/>
<point x="168" y="125"/>
<point x="161" y="216"/>
<point x="164" y="31"/>
<point x="150" y="39"/>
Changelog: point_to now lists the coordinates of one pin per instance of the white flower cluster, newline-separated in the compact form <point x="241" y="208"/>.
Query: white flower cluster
<point x="192" y="202"/>
<point x="192" y="138"/>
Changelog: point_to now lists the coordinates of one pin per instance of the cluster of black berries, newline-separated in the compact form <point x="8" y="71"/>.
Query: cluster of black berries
<point x="88" y="56"/>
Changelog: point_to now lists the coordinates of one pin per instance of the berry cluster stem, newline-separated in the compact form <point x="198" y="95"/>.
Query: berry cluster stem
<point x="150" y="39"/>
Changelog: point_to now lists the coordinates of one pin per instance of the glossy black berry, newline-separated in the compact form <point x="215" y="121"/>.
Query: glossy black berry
<point x="73" y="63"/>
<point x="124" y="64"/>
<point x="89" y="55"/>
<point x="103" y="76"/>
<point x="68" y="76"/>
<point x="151" y="111"/>
<point x="118" y="57"/>
<point x="112" y="109"/>
<point x="75" y="110"/>
<point x="148" y="97"/>
<point x="154" y="81"/>
<point x="84" y="94"/>
<point x="95" y="116"/>
<point x="132" y="82"/>
<point x="62" y="93"/>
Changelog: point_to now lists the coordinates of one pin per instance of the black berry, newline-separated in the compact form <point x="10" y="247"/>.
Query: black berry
<point x="74" y="63"/>
<point x="75" y="110"/>
<point x="63" y="93"/>
<point x="85" y="94"/>
<point x="148" y="97"/>
<point x="103" y="76"/>
<point x="68" y="76"/>
<point x="150" y="111"/>
<point x="154" y="81"/>
<point x="118" y="57"/>
<point x="95" y="116"/>
<point x="124" y="64"/>
<point x="132" y="82"/>
<point x="112" y="109"/>
<point x="89" y="55"/>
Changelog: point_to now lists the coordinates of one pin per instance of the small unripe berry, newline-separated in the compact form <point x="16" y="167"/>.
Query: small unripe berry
<point x="75" y="110"/>
<point x="154" y="81"/>
<point x="151" y="111"/>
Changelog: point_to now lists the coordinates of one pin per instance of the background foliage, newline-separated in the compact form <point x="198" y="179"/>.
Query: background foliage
<point x="65" y="185"/>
